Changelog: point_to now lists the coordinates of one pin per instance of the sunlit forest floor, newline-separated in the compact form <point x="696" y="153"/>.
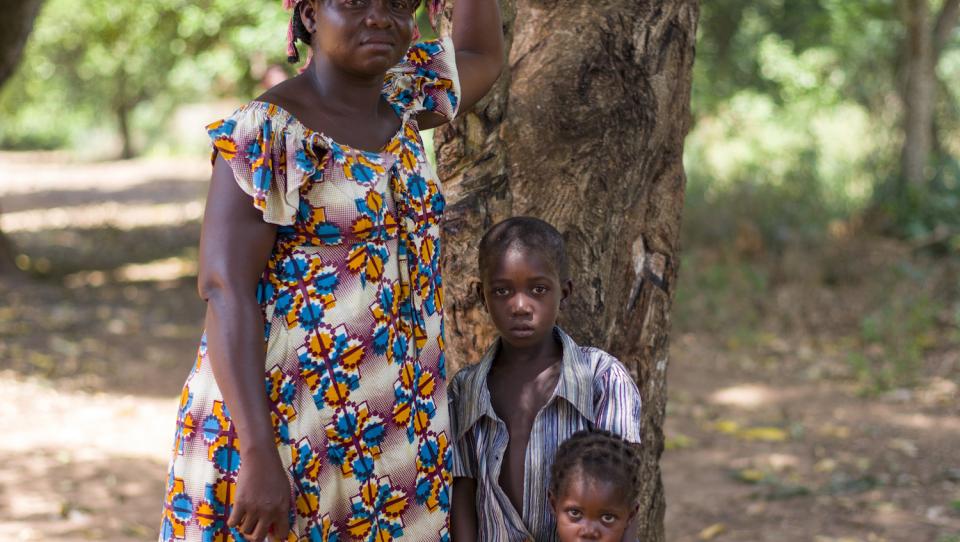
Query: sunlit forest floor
<point x="813" y="389"/>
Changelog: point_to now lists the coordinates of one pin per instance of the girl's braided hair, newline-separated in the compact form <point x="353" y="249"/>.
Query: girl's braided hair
<point x="601" y="455"/>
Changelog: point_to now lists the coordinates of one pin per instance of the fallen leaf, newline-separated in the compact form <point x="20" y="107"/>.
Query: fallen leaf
<point x="767" y="434"/>
<point x="727" y="427"/>
<point x="904" y="446"/>
<point x="678" y="442"/>
<point x="750" y="476"/>
<point x="835" y="431"/>
<point x="712" y="531"/>
<point x="825" y="465"/>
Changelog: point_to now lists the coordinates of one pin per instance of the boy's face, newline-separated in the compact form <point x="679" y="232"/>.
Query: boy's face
<point x="591" y="509"/>
<point x="522" y="292"/>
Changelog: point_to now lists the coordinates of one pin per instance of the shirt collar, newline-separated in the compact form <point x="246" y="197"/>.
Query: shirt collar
<point x="575" y="385"/>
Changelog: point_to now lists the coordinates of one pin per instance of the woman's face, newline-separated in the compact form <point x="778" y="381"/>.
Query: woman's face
<point x="363" y="37"/>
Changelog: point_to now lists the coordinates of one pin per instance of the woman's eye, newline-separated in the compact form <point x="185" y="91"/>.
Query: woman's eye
<point x="608" y="518"/>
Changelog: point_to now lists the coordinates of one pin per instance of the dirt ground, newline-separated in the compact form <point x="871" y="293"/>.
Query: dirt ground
<point x="771" y="431"/>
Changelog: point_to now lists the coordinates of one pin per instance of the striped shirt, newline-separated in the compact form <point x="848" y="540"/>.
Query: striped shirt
<point x="594" y="391"/>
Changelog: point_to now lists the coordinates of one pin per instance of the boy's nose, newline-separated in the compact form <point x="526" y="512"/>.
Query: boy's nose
<point x="521" y="305"/>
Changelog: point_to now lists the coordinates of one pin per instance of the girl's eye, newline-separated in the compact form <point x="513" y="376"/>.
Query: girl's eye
<point x="608" y="518"/>
<point x="355" y="3"/>
<point x="539" y="290"/>
<point x="574" y="513"/>
<point x="501" y="291"/>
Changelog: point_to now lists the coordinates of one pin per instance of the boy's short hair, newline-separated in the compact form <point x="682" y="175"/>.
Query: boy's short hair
<point x="527" y="232"/>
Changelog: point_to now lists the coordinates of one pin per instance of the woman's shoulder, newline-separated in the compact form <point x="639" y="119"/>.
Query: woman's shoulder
<point x="251" y="117"/>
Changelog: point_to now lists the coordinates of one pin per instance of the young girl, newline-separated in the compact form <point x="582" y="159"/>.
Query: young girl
<point x="594" y="487"/>
<point x="315" y="410"/>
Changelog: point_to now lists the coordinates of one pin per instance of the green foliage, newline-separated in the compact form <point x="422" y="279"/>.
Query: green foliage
<point x="96" y="62"/>
<point x="928" y="215"/>
<point x="798" y="121"/>
<point x="893" y="340"/>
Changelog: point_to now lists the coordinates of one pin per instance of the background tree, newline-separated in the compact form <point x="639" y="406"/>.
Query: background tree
<point x="585" y="129"/>
<point x="926" y="37"/>
<point x="100" y="62"/>
<point x="14" y="30"/>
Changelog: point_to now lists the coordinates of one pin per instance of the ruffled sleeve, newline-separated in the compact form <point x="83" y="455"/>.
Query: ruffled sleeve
<point x="254" y="142"/>
<point x="425" y="80"/>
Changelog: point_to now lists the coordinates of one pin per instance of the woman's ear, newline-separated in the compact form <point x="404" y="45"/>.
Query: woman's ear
<point x="308" y="15"/>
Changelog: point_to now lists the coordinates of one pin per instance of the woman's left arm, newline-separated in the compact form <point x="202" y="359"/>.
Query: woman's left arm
<point x="478" y="43"/>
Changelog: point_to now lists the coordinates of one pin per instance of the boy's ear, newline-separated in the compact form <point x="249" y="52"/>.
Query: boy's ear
<point x="478" y="288"/>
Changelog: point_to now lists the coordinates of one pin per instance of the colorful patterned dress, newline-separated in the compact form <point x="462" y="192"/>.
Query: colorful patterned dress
<point x="353" y="306"/>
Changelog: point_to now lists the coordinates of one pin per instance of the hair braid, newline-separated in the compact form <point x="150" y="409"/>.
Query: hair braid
<point x="599" y="454"/>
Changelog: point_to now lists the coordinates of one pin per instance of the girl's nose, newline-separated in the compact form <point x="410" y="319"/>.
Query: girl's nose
<point x="589" y="531"/>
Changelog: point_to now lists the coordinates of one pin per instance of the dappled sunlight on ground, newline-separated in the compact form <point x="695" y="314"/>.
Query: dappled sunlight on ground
<point x="79" y="465"/>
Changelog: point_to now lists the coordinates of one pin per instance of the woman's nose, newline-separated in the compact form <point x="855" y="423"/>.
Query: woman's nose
<point x="378" y="14"/>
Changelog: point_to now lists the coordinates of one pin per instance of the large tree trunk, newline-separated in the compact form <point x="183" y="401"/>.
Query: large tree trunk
<point x="15" y="26"/>
<point x="585" y="129"/>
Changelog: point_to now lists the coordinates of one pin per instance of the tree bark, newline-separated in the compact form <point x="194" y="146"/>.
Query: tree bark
<point x="126" y="138"/>
<point x="925" y="41"/>
<point x="15" y="27"/>
<point x="585" y="129"/>
<point x="918" y="93"/>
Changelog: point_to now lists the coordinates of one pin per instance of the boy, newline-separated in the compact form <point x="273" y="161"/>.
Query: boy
<point x="532" y="390"/>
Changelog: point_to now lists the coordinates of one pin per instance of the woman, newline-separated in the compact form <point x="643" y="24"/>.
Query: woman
<point x="317" y="408"/>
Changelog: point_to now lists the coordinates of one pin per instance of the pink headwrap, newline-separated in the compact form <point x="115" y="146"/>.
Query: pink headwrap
<point x="434" y="9"/>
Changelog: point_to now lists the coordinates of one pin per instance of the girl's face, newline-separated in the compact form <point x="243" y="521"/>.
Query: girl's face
<point x="591" y="509"/>
<point x="363" y="37"/>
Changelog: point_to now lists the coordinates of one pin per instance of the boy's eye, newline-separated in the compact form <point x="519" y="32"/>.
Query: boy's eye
<point x="608" y="518"/>
<point x="539" y="290"/>
<point x="501" y="291"/>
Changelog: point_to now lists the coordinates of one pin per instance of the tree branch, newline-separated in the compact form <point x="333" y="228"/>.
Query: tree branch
<point x="946" y="20"/>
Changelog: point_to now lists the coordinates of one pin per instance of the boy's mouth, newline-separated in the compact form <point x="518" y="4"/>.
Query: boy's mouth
<point x="522" y="330"/>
